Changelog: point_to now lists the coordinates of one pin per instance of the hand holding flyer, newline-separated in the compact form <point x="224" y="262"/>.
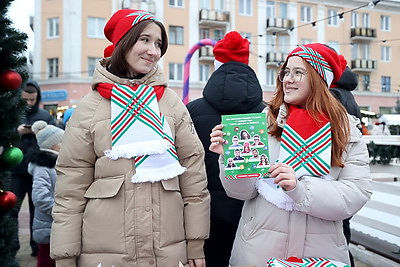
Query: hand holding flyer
<point x="246" y="152"/>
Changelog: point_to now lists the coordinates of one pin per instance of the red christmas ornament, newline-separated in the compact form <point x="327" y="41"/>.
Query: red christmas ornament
<point x="7" y="200"/>
<point x="10" y="80"/>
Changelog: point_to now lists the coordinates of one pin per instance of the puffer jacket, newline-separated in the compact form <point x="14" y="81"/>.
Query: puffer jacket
<point x="315" y="229"/>
<point x="232" y="89"/>
<point x="41" y="167"/>
<point x="101" y="217"/>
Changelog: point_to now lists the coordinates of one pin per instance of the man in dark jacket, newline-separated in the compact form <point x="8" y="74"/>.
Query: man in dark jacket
<point x="232" y="89"/>
<point x="342" y="91"/>
<point x="21" y="180"/>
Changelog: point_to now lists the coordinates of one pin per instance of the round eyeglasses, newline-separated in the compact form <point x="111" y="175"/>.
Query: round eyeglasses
<point x="296" y="75"/>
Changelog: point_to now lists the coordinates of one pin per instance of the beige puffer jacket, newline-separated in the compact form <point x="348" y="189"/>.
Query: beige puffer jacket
<point x="101" y="217"/>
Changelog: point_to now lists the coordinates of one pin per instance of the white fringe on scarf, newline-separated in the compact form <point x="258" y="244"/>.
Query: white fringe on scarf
<point x="275" y="194"/>
<point x="128" y="151"/>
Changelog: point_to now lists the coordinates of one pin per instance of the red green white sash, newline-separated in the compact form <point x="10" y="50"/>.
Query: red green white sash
<point x="306" y="145"/>
<point x="140" y="131"/>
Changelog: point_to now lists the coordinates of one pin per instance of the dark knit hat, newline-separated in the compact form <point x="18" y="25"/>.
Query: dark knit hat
<point x="47" y="135"/>
<point x="120" y="23"/>
<point x="233" y="47"/>
<point x="326" y="62"/>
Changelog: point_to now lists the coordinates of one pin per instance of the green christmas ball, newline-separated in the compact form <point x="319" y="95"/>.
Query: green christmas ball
<point x="12" y="156"/>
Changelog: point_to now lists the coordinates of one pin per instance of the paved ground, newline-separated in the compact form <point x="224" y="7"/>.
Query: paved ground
<point x="26" y="260"/>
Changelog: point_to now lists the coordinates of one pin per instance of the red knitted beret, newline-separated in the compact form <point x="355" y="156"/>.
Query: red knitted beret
<point x="326" y="62"/>
<point x="120" y="23"/>
<point x="232" y="48"/>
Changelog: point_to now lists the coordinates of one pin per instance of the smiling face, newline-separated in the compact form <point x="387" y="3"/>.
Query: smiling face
<point x="146" y="52"/>
<point x="296" y="93"/>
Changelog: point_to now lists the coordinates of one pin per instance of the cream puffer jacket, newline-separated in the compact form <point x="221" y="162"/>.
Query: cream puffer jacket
<point x="101" y="217"/>
<point x="315" y="228"/>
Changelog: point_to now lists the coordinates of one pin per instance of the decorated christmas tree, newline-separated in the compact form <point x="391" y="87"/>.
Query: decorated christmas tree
<point x="12" y="76"/>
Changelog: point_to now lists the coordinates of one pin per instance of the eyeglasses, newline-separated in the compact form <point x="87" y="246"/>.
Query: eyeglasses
<point x="296" y="74"/>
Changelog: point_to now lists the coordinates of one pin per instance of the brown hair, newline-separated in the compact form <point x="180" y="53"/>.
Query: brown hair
<point x="117" y="62"/>
<point x="320" y="101"/>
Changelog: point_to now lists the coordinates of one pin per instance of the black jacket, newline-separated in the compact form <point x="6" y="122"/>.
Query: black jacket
<point x="342" y="91"/>
<point x="28" y="143"/>
<point x="232" y="89"/>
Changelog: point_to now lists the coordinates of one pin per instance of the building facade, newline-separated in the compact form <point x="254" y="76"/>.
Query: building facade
<point x="69" y="40"/>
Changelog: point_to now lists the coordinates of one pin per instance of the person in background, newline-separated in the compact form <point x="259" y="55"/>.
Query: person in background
<point x="298" y="211"/>
<point x="233" y="88"/>
<point x="42" y="169"/>
<point x="21" y="180"/>
<point x="380" y="128"/>
<point x="342" y="92"/>
<point x="67" y="115"/>
<point x="131" y="188"/>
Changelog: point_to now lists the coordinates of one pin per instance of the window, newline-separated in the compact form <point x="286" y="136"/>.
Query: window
<point x="283" y="10"/>
<point x="53" y="28"/>
<point x="365" y="20"/>
<point x="91" y="65"/>
<point x="204" y="33"/>
<point x="333" y="19"/>
<point x="245" y="7"/>
<point x="335" y="45"/>
<point x="306" y="14"/>
<point x="354" y="51"/>
<point x="219" y="5"/>
<point x="176" y="3"/>
<point x="219" y="34"/>
<point x="175" y="71"/>
<point x="365" y="51"/>
<point x="95" y="27"/>
<point x="176" y="35"/>
<point x="354" y="19"/>
<point x="270" y="42"/>
<point x="386" y="53"/>
<point x="385" y="23"/>
<point x="270" y="10"/>
<point x="52" y="67"/>
<point x="271" y="77"/>
<point x="366" y="82"/>
<point x="284" y="44"/>
<point x="305" y="41"/>
<point x="204" y="72"/>
<point x="205" y="4"/>
<point x="385" y="83"/>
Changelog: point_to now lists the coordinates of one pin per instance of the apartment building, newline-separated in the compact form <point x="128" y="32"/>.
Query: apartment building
<point x="69" y="40"/>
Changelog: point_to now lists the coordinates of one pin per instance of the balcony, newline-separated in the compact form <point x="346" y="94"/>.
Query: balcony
<point x="275" y="58"/>
<point x="363" y="65"/>
<point x="210" y="17"/>
<point x="279" y="25"/>
<point x="362" y="34"/>
<point x="206" y="53"/>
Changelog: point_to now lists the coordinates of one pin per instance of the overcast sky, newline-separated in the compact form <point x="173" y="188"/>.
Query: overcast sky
<point x="19" y="13"/>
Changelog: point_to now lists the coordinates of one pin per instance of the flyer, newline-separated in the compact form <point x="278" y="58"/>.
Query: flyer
<point x="246" y="152"/>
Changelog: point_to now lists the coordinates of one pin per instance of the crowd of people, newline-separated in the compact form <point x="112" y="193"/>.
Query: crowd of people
<point x="137" y="178"/>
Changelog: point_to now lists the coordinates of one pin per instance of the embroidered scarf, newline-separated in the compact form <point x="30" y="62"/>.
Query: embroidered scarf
<point x="140" y="131"/>
<point x="306" y="146"/>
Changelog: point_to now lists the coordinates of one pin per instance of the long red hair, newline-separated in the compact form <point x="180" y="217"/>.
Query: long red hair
<point x="320" y="101"/>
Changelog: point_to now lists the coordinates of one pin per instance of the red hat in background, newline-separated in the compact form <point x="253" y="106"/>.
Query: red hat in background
<point x="120" y="23"/>
<point x="326" y="62"/>
<point x="233" y="47"/>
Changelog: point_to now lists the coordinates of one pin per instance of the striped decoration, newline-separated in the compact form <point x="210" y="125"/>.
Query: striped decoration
<point x="141" y="16"/>
<point x="308" y="154"/>
<point x="134" y="107"/>
<point x="317" y="62"/>
<point x="306" y="262"/>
